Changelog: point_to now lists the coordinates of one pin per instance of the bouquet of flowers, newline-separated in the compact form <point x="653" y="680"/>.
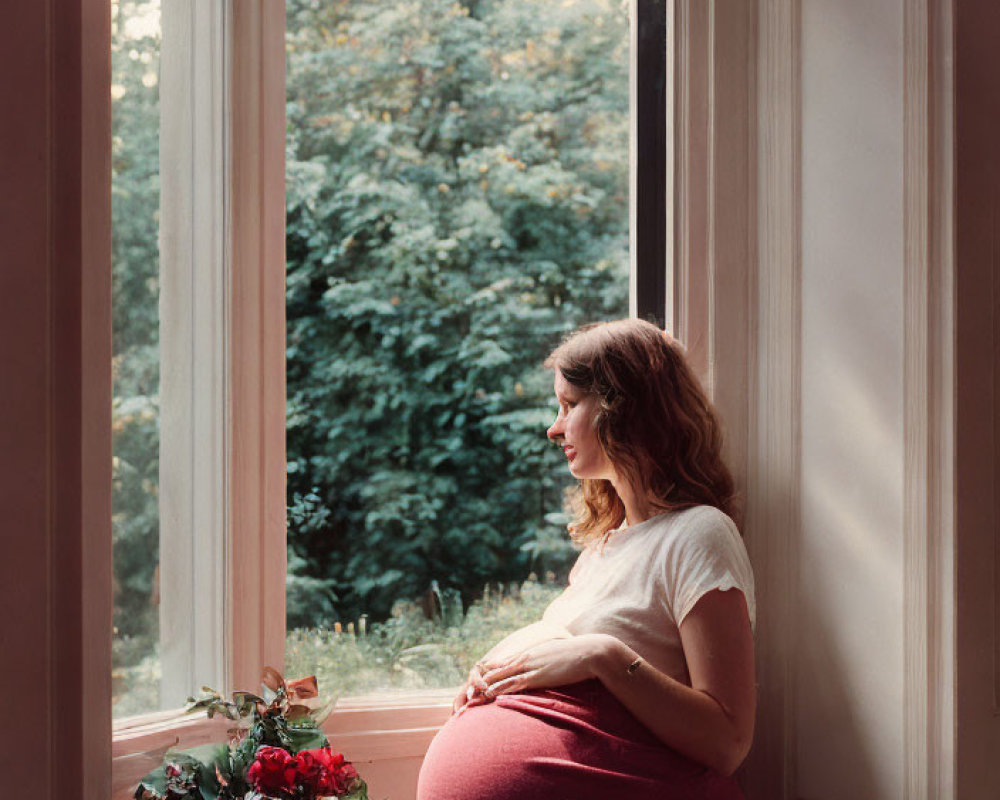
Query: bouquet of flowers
<point x="277" y="751"/>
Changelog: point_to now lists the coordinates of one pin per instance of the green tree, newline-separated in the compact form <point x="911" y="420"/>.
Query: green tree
<point x="457" y="201"/>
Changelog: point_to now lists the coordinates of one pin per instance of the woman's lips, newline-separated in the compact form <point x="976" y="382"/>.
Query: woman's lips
<point x="570" y="452"/>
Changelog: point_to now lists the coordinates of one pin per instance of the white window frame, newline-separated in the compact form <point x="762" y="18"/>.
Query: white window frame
<point x="711" y="296"/>
<point x="193" y="339"/>
<point x="224" y="463"/>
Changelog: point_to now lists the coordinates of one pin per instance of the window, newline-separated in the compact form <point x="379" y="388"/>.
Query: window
<point x="60" y="571"/>
<point x="222" y="387"/>
<point x="253" y="622"/>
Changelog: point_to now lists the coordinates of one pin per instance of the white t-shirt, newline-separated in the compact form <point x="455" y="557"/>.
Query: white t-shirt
<point x="645" y="579"/>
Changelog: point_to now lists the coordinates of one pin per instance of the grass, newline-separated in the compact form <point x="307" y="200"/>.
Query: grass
<point x="406" y="652"/>
<point x="409" y="651"/>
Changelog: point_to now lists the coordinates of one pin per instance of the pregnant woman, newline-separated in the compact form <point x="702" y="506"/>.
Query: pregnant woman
<point x="638" y="682"/>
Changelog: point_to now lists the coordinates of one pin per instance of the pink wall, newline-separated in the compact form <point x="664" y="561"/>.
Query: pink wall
<point x="55" y="394"/>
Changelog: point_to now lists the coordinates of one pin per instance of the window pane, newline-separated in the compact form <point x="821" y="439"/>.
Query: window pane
<point x="457" y="200"/>
<point x="136" y="366"/>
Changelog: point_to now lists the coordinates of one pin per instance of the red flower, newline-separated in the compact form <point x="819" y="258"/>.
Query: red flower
<point x="345" y="779"/>
<point x="273" y="772"/>
<point x="311" y="771"/>
<point x="339" y="775"/>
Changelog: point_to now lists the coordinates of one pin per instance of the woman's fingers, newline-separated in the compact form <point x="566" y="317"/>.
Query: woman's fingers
<point x="515" y="683"/>
<point x="479" y="700"/>
<point x="460" y="699"/>
<point x="474" y="690"/>
<point x="476" y="678"/>
<point x="499" y="672"/>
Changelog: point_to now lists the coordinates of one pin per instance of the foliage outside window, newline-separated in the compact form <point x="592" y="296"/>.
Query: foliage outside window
<point x="457" y="201"/>
<point x="136" y="366"/>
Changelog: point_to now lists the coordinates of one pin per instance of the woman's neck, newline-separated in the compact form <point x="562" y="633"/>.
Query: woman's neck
<point x="637" y="506"/>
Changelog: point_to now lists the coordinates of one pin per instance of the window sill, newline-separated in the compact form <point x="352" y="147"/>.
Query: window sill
<point x="378" y="727"/>
<point x="366" y="729"/>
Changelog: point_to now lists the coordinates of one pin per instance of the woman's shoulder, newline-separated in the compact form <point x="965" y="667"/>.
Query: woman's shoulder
<point x="705" y="518"/>
<point x="692" y="521"/>
<point x="672" y="534"/>
<point x="697" y="529"/>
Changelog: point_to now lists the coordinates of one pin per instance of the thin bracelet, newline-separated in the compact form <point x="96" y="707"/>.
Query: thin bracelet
<point x="631" y="668"/>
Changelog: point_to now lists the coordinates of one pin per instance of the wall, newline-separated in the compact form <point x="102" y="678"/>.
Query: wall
<point x="849" y="661"/>
<point x="977" y="399"/>
<point x="55" y="348"/>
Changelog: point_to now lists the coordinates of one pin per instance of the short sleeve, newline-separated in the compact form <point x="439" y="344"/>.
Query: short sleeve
<point x="709" y="554"/>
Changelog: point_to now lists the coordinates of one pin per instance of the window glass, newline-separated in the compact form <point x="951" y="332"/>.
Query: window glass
<point x="136" y="366"/>
<point x="457" y="179"/>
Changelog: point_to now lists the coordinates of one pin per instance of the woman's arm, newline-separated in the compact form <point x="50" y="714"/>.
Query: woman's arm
<point x="710" y="721"/>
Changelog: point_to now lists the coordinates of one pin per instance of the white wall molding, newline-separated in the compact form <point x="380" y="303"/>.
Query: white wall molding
<point x="773" y="517"/>
<point x="692" y="123"/>
<point x="928" y="681"/>
<point x="712" y="177"/>
<point x="916" y="412"/>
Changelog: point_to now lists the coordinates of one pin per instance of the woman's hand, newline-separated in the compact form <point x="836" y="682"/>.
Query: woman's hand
<point x="472" y="693"/>
<point x="558" y="662"/>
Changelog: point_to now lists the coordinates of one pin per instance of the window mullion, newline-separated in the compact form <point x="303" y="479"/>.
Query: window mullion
<point x="192" y="345"/>
<point x="256" y="577"/>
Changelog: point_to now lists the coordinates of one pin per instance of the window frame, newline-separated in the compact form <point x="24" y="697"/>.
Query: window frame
<point x="193" y="287"/>
<point x="684" y="278"/>
<point x="650" y="290"/>
<point x="254" y="501"/>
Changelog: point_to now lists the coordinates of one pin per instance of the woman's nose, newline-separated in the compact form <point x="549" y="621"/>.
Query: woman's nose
<point x="555" y="429"/>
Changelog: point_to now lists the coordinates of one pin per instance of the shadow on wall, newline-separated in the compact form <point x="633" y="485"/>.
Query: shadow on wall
<point x="833" y="724"/>
<point x="845" y="601"/>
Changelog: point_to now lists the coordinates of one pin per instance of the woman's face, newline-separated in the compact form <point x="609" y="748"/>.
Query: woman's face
<point x="574" y="431"/>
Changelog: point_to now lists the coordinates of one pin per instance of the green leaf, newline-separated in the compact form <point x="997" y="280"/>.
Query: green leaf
<point x="306" y="737"/>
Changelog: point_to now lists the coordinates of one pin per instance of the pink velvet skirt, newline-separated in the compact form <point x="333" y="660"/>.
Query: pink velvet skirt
<point x="576" y="742"/>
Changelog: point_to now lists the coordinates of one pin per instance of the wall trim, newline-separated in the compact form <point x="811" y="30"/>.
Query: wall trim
<point x="928" y="680"/>
<point x="55" y="397"/>
<point x="713" y="179"/>
<point x="916" y="411"/>
<point x="773" y="517"/>
<point x="692" y="134"/>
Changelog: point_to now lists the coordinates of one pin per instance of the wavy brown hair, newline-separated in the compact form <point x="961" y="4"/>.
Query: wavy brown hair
<point x="655" y="423"/>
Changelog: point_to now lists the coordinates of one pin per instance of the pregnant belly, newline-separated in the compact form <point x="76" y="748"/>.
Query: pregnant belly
<point x="575" y="742"/>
